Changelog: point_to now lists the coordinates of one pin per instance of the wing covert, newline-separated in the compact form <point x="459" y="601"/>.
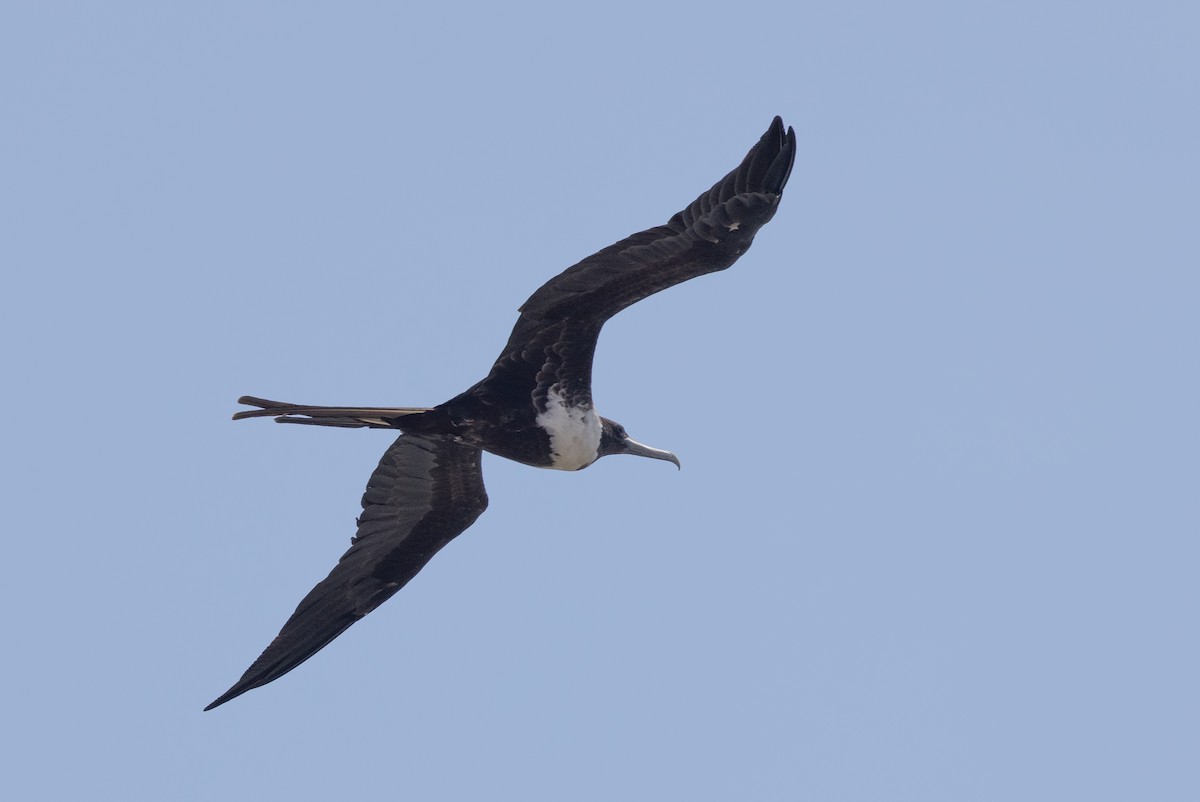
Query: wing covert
<point x="709" y="235"/>
<point x="426" y="491"/>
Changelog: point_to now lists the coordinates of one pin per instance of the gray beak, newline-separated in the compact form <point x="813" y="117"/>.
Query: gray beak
<point x="639" y="450"/>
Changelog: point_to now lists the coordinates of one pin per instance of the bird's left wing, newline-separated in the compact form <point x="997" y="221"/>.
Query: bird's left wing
<point x="425" y="492"/>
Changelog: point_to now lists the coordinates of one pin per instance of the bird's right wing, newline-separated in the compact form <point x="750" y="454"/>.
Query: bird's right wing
<point x="425" y="492"/>
<point x="553" y="341"/>
<point x="709" y="235"/>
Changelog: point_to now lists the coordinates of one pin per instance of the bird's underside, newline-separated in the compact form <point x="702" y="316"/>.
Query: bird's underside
<point x="534" y="406"/>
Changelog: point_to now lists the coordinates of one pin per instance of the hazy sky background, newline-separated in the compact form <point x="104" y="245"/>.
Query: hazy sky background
<point x="935" y="536"/>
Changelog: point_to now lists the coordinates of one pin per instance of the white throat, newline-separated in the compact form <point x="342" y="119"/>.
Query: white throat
<point x="574" y="433"/>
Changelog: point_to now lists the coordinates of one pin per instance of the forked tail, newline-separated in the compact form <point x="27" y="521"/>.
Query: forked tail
<point x="344" y="417"/>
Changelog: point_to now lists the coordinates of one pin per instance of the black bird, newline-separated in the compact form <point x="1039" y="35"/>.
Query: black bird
<point x="535" y="406"/>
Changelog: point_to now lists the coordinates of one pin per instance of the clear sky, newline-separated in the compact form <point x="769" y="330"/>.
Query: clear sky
<point x="936" y="532"/>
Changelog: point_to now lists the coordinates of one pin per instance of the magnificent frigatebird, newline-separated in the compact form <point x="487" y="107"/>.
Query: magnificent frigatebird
<point x="535" y="406"/>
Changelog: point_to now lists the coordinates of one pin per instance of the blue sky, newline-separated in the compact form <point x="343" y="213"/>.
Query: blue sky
<point x="935" y="536"/>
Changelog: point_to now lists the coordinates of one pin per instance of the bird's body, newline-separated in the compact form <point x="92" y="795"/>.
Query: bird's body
<point x="534" y="406"/>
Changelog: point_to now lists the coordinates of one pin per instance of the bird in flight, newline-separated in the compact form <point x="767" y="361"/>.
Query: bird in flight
<point x="535" y="406"/>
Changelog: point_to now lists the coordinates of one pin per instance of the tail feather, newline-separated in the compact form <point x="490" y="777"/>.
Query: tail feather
<point x="343" y="417"/>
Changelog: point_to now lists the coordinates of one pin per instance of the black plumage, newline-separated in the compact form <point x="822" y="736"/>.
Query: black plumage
<point x="534" y="406"/>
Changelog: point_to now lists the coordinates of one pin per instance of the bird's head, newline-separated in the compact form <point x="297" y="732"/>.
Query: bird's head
<point x="614" y="440"/>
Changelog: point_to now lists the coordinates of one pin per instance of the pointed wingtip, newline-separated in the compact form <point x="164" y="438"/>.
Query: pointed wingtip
<point x="780" y="169"/>
<point x="225" y="697"/>
<point x="240" y="687"/>
<point x="781" y="134"/>
<point x="789" y="146"/>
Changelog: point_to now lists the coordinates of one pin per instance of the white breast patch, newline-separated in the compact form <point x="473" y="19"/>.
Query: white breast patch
<point x="574" y="433"/>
